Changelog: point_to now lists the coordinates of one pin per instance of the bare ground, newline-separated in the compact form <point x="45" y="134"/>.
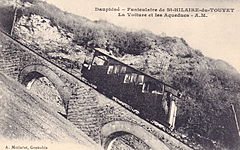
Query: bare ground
<point x="26" y="117"/>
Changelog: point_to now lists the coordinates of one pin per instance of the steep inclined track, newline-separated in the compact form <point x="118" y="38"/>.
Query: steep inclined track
<point x="75" y="104"/>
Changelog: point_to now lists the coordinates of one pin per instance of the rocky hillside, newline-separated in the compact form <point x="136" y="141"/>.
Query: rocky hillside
<point x="209" y="86"/>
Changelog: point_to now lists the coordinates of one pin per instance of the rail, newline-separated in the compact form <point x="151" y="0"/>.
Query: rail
<point x="167" y="131"/>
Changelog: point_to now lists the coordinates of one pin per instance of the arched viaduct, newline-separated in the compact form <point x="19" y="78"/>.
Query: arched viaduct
<point x="30" y="73"/>
<point x="98" y="116"/>
<point x="112" y="130"/>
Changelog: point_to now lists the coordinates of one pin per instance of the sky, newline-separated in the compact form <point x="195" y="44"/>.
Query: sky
<point x="216" y="36"/>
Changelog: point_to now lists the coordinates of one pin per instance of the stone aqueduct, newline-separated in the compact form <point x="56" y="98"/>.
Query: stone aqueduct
<point x="98" y="116"/>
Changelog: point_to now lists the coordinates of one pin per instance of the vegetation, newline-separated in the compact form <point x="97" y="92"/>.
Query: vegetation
<point x="97" y="33"/>
<point x="207" y="110"/>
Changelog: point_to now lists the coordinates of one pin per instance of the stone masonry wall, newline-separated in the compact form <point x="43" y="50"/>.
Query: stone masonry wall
<point x="88" y="109"/>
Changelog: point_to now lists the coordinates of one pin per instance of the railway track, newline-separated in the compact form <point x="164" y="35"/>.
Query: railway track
<point x="75" y="73"/>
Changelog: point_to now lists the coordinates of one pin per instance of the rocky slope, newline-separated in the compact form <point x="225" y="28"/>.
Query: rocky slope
<point x="26" y="117"/>
<point x="209" y="86"/>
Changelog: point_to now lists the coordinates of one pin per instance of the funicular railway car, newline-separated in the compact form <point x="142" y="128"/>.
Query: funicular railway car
<point x="154" y="99"/>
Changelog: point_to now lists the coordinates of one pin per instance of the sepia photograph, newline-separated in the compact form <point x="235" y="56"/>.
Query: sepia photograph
<point x="119" y="75"/>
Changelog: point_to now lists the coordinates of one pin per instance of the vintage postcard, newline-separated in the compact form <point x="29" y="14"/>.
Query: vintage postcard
<point x="119" y="75"/>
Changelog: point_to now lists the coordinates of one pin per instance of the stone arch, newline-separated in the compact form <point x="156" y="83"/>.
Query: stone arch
<point x="112" y="130"/>
<point x="30" y="73"/>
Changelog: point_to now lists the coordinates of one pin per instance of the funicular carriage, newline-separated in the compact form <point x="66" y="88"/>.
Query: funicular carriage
<point x="154" y="99"/>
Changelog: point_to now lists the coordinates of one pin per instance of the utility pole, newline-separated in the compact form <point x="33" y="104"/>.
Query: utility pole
<point x="14" y="17"/>
<point x="236" y="119"/>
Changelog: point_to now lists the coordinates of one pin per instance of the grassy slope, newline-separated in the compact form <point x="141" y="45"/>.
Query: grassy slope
<point x="24" y="116"/>
<point x="209" y="85"/>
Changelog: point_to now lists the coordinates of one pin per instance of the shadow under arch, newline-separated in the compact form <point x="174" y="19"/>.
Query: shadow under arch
<point x="30" y="73"/>
<point x="112" y="130"/>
